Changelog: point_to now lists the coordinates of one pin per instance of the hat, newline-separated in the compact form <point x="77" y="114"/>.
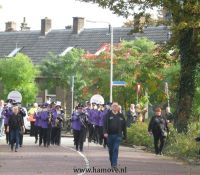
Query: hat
<point x="80" y="106"/>
<point x="58" y="103"/>
<point x="45" y="105"/>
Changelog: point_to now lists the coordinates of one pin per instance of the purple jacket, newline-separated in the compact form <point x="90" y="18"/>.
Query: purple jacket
<point x="44" y="119"/>
<point x="54" y="117"/>
<point x="93" y="117"/>
<point x="75" y="121"/>
<point x="102" y="116"/>
<point x="7" y="113"/>
<point x="37" y="118"/>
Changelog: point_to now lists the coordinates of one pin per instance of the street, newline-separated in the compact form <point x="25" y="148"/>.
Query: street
<point x="32" y="159"/>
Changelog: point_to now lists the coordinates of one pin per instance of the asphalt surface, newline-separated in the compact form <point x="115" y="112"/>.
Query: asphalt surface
<point x="62" y="160"/>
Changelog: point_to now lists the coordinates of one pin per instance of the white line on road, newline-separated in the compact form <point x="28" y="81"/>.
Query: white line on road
<point x="87" y="163"/>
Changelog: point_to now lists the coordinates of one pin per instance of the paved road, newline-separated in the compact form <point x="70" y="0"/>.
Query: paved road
<point x="32" y="159"/>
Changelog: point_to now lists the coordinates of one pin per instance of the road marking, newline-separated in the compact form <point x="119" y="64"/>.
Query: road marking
<point x="87" y="163"/>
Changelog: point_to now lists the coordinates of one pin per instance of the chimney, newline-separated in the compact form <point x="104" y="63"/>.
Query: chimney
<point x="10" y="26"/>
<point x="78" y="24"/>
<point x="24" y="26"/>
<point x="45" y="26"/>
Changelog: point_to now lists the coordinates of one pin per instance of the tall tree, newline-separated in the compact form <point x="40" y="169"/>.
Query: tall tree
<point x="18" y="73"/>
<point x="185" y="24"/>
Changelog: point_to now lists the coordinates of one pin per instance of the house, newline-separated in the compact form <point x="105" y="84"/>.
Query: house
<point x="39" y="43"/>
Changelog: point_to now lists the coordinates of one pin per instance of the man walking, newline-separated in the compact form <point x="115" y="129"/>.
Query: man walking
<point x="114" y="130"/>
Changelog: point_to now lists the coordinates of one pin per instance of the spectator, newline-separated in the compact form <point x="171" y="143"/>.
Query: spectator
<point x="168" y="115"/>
<point x="131" y="116"/>
<point x="159" y="128"/>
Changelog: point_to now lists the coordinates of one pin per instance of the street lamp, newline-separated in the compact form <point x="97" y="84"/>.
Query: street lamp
<point x="111" y="55"/>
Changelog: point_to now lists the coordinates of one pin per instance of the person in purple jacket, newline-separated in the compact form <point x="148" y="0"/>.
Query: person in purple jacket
<point x="44" y="116"/>
<point x="102" y="114"/>
<point x="7" y="112"/>
<point x="94" y="120"/>
<point x="79" y="125"/>
<point x="53" y="122"/>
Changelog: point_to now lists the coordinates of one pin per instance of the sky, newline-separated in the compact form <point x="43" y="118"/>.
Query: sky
<point x="60" y="11"/>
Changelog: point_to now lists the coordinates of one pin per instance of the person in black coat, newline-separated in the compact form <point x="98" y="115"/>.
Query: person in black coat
<point x="15" y="127"/>
<point x="159" y="128"/>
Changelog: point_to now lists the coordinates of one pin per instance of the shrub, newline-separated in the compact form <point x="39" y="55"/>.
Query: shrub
<point x="183" y="144"/>
<point x="137" y="134"/>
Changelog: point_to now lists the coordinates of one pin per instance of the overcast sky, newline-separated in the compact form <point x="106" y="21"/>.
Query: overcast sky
<point x="60" y="11"/>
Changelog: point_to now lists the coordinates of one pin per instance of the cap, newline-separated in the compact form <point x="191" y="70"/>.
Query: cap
<point x="58" y="103"/>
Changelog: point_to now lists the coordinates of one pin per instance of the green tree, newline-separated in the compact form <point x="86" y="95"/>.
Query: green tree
<point x="59" y="71"/>
<point x="185" y="24"/>
<point x="18" y="73"/>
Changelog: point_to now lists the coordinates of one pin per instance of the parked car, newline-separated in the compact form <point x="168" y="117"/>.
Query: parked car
<point x="27" y="123"/>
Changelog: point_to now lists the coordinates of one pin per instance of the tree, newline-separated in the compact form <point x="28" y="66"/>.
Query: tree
<point x="59" y="71"/>
<point x="18" y="73"/>
<point x="185" y="24"/>
<point x="138" y="61"/>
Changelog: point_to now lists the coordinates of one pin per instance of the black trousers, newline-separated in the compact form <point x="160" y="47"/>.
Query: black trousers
<point x="49" y="129"/>
<point x="43" y="136"/>
<point x="53" y="135"/>
<point x="159" y="142"/>
<point x="57" y="136"/>
<point x="96" y="134"/>
<point x="32" y="131"/>
<point x="100" y="135"/>
<point x="21" y="136"/>
<point x="36" y="132"/>
<point x="7" y="134"/>
<point x="91" y="132"/>
<point x="79" y="138"/>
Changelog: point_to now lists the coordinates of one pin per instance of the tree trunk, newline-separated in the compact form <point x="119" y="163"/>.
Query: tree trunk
<point x="189" y="59"/>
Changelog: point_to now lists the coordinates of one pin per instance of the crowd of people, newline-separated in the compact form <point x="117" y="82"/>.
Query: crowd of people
<point x="46" y="123"/>
<point x="103" y="124"/>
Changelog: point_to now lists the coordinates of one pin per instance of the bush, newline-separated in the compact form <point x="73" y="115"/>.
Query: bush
<point x="137" y="135"/>
<point x="182" y="145"/>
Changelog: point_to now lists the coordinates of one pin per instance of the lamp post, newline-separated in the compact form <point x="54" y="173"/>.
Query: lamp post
<point x="111" y="55"/>
<point x="72" y="108"/>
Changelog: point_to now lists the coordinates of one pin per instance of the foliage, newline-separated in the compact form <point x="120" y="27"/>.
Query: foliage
<point x="137" y="135"/>
<point x="139" y="61"/>
<point x="185" y="24"/>
<point x="59" y="71"/>
<point x="18" y="73"/>
<point x="181" y="145"/>
<point x="196" y="102"/>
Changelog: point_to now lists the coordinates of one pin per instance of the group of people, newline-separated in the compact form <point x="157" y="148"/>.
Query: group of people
<point x="47" y="122"/>
<point x="102" y="124"/>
